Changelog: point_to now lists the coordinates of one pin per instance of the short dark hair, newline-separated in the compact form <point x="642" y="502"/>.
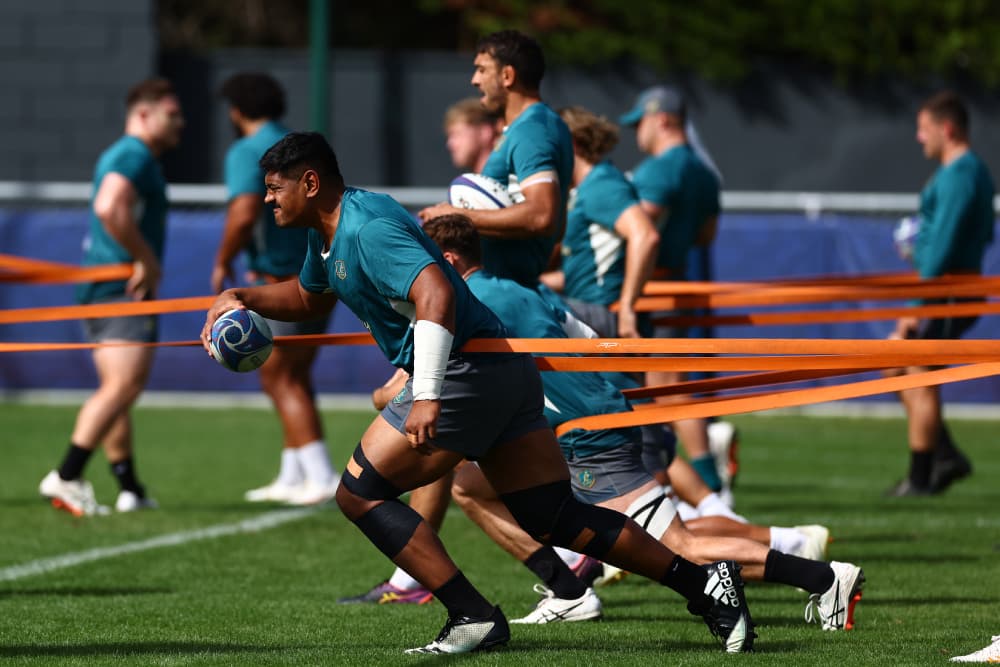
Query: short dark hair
<point x="455" y="233"/>
<point x="150" y="90"/>
<point x="523" y="53"/>
<point x="948" y="106"/>
<point x="298" y="151"/>
<point x="255" y="95"/>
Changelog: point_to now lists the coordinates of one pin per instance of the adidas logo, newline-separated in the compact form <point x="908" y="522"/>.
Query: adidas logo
<point x="720" y="585"/>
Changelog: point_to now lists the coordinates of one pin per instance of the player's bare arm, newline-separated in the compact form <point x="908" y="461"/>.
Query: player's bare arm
<point x="434" y="299"/>
<point x="540" y="214"/>
<point x="114" y="204"/>
<point x="241" y="214"/>
<point x="641" y="244"/>
<point x="287" y="301"/>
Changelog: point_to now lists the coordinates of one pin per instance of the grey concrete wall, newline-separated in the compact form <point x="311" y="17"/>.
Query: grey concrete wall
<point x="65" y="66"/>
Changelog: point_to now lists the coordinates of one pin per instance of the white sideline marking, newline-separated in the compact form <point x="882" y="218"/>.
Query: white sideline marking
<point x="253" y="525"/>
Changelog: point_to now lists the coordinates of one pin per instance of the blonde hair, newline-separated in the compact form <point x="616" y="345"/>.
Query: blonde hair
<point x="471" y="111"/>
<point x="593" y="136"/>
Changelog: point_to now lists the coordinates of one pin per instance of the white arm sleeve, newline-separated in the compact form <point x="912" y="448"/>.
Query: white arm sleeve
<point x="431" y="349"/>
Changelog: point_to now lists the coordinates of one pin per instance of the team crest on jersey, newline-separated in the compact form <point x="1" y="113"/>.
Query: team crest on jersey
<point x="340" y="268"/>
<point x="586" y="479"/>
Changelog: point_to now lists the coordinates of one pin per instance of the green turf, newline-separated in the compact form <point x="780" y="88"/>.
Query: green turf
<point x="933" y="565"/>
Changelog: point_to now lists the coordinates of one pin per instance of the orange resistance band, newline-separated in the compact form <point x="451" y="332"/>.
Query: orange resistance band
<point x="967" y="309"/>
<point x="731" y="406"/>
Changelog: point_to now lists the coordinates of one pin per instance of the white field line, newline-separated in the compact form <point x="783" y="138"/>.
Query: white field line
<point x="253" y="525"/>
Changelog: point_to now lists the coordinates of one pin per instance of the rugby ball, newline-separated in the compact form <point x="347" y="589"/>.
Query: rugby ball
<point x="904" y="236"/>
<point x="478" y="192"/>
<point x="241" y="340"/>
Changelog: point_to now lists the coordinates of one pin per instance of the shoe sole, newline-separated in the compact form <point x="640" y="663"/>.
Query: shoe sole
<point x="61" y="504"/>
<point x="596" y="616"/>
<point x="855" y="597"/>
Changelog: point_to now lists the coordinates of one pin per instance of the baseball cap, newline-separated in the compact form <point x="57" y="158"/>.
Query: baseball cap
<point x="658" y="98"/>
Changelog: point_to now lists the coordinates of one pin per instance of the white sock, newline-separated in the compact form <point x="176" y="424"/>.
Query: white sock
<point x="686" y="512"/>
<point x="315" y="462"/>
<point x="571" y="558"/>
<point x="290" y="473"/>
<point x="713" y="505"/>
<point x="786" y="540"/>
<point x="403" y="581"/>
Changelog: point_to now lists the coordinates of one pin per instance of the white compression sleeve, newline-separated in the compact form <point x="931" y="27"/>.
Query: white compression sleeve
<point x="431" y="348"/>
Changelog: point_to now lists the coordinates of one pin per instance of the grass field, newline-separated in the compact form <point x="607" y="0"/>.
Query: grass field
<point x="269" y="597"/>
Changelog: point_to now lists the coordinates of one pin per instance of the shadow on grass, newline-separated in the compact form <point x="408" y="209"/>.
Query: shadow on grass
<point x="84" y="592"/>
<point x="872" y="601"/>
<point x="135" y="649"/>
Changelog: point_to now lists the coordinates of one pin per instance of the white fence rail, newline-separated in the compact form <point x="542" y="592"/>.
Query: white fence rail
<point x="811" y="203"/>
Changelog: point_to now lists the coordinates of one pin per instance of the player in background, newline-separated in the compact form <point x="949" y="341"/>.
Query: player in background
<point x="957" y="218"/>
<point x="680" y="193"/>
<point x="256" y="104"/>
<point x="367" y="251"/>
<point x="607" y="470"/>
<point x="470" y="132"/>
<point x="128" y="214"/>
<point x="534" y="158"/>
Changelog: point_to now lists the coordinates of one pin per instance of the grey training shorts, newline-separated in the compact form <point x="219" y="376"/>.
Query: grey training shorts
<point x="135" y="328"/>
<point x="608" y="474"/>
<point x="486" y="400"/>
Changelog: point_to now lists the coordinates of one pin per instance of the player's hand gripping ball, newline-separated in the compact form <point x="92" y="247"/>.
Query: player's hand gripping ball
<point x="241" y="340"/>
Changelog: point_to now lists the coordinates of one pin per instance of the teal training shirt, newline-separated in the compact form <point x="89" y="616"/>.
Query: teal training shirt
<point x="567" y="395"/>
<point x="274" y="251"/>
<point x="593" y="254"/>
<point x="678" y="181"/>
<point x="956" y="210"/>
<point x="376" y="254"/>
<point x="538" y="140"/>
<point x="131" y="158"/>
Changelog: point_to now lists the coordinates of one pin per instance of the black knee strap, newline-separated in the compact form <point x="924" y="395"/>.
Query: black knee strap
<point x="389" y="526"/>
<point x="551" y="514"/>
<point x="364" y="481"/>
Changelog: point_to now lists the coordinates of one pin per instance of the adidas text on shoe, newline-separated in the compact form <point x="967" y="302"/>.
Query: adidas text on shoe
<point x="551" y="609"/>
<point x="834" y="608"/>
<point x="989" y="654"/>
<point x="75" y="496"/>
<point x="465" y="635"/>
<point x="728" y="616"/>
<point x="386" y="593"/>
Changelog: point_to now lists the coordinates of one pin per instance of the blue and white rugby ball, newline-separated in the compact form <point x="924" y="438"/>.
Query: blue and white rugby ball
<point x="479" y="193"/>
<point x="241" y="340"/>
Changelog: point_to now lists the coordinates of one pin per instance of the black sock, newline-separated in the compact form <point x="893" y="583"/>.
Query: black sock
<point x="74" y="461"/>
<point x="945" y="448"/>
<point x="920" y="468"/>
<point x="461" y="598"/>
<point x="689" y="580"/>
<point x="555" y="574"/>
<point x="124" y="472"/>
<point x="812" y="575"/>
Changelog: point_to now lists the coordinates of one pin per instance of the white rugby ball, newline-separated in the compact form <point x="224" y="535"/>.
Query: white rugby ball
<point x="478" y="192"/>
